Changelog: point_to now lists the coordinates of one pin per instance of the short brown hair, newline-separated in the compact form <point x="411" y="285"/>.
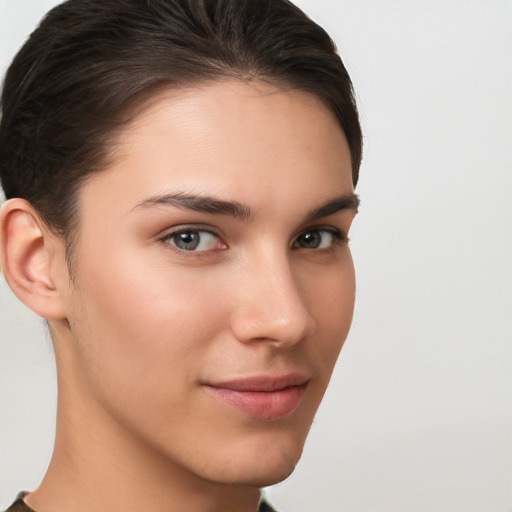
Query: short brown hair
<point x="67" y="90"/>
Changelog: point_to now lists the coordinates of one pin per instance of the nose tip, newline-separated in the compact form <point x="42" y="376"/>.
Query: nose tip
<point x="275" y="312"/>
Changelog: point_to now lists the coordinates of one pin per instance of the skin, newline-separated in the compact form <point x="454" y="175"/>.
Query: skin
<point x="146" y="326"/>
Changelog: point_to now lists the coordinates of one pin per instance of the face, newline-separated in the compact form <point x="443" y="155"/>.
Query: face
<point x="214" y="283"/>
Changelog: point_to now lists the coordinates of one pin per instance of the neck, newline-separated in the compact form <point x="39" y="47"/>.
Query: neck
<point x="99" y="465"/>
<point x="97" y="473"/>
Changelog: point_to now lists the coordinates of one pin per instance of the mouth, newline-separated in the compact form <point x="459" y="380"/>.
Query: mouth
<point x="261" y="397"/>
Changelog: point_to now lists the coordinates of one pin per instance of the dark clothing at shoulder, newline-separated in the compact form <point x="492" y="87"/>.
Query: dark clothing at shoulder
<point x="20" y="506"/>
<point x="265" y="507"/>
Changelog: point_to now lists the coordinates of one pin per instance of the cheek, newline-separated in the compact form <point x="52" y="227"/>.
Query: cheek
<point x="143" y="328"/>
<point x="128" y="294"/>
<point x="331" y="302"/>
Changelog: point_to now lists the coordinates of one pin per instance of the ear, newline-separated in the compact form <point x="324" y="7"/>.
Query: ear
<point x="30" y="255"/>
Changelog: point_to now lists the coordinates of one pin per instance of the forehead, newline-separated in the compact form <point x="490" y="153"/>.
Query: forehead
<point x="237" y="140"/>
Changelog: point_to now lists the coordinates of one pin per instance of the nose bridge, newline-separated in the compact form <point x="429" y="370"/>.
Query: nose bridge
<point x="271" y="305"/>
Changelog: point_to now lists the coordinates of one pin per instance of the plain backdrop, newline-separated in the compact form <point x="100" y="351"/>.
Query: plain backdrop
<point x="419" y="413"/>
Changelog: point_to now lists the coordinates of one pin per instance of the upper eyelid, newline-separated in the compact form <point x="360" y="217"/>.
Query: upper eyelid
<point x="215" y="231"/>
<point x="188" y="227"/>
<point x="330" y="229"/>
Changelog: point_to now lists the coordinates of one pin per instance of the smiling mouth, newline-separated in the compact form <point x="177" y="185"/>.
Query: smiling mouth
<point x="261" y="398"/>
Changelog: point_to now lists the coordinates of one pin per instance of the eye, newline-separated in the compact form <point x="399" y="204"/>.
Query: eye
<point x="194" y="240"/>
<point x="320" y="238"/>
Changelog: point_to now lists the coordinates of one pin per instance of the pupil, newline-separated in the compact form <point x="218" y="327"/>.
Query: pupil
<point x="311" y="239"/>
<point x="187" y="240"/>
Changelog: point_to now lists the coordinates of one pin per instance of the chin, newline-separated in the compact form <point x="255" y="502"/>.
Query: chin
<point x="273" y="476"/>
<point x="266" y="465"/>
<point x="261" y="453"/>
<point x="261" y="476"/>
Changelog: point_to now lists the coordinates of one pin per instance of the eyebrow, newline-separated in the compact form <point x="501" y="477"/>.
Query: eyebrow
<point x="206" y="204"/>
<point x="200" y="203"/>
<point x="344" y="202"/>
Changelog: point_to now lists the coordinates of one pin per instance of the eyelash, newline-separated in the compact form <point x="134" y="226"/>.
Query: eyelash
<point x="338" y="238"/>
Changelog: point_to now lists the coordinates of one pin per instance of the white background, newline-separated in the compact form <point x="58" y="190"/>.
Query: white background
<point x="419" y="413"/>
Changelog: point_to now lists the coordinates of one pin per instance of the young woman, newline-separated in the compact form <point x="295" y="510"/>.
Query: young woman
<point x="180" y="179"/>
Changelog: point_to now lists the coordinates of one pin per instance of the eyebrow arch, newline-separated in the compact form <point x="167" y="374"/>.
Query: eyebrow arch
<point x="199" y="203"/>
<point x="211" y="205"/>
<point x="344" y="202"/>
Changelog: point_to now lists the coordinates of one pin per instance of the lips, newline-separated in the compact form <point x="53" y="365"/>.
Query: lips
<point x="261" y="397"/>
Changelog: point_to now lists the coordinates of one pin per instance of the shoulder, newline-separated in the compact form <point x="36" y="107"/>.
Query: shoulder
<point x="264" y="507"/>
<point x="19" y="505"/>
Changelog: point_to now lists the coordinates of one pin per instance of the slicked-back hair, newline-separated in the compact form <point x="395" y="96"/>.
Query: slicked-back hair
<point x="81" y="74"/>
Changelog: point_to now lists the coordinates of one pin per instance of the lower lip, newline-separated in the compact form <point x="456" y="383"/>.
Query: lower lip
<point x="261" y="405"/>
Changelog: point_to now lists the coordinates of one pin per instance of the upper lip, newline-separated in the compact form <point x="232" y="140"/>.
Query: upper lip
<point x="262" y="383"/>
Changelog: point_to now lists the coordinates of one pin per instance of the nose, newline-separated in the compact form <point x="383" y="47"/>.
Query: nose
<point x="271" y="306"/>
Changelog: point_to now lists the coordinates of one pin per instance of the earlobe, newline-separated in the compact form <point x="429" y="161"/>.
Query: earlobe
<point x="27" y="249"/>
